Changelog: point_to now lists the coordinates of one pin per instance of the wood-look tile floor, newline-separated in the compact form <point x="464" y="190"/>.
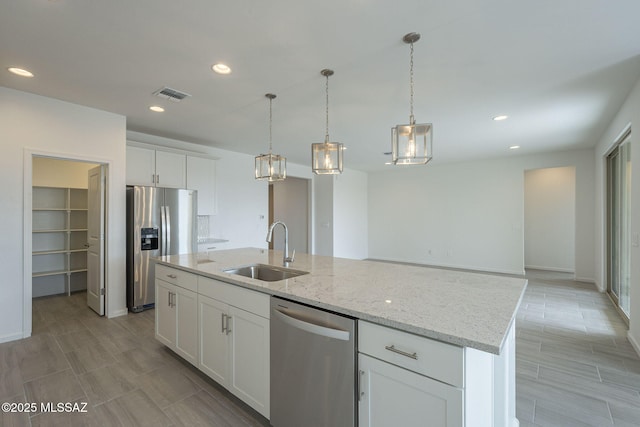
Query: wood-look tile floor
<point x="574" y="367"/>
<point x="574" y="364"/>
<point x="116" y="366"/>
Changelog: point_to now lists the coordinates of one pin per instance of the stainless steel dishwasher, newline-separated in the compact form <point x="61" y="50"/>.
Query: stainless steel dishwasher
<point x="313" y="362"/>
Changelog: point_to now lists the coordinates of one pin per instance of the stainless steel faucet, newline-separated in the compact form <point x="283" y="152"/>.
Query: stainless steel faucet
<point x="285" y="259"/>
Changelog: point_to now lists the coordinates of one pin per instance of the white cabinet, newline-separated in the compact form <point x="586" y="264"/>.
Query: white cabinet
<point x="249" y="356"/>
<point x="201" y="176"/>
<point x="155" y="168"/>
<point x="165" y="314"/>
<point x="214" y="340"/>
<point x="391" y="396"/>
<point x="171" y="170"/>
<point x="59" y="240"/>
<point x="176" y="312"/>
<point x="412" y="381"/>
<point x="234" y="340"/>
<point x="141" y="166"/>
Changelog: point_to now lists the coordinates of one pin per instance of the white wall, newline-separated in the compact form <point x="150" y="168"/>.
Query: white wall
<point x="49" y="172"/>
<point x="35" y="124"/>
<point x="350" y="215"/>
<point x="340" y="215"/>
<point x="629" y="114"/>
<point x="470" y="214"/>
<point x="549" y="219"/>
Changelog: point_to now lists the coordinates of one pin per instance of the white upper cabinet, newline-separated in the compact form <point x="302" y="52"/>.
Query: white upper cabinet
<point x="171" y="170"/>
<point x="141" y="166"/>
<point x="201" y="176"/>
<point x="155" y="168"/>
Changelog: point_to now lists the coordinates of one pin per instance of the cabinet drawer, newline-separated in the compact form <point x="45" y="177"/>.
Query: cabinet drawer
<point x="252" y="301"/>
<point x="177" y="277"/>
<point x="435" y="359"/>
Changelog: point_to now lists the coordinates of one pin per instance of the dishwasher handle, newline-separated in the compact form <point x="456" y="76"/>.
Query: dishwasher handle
<point x="313" y="328"/>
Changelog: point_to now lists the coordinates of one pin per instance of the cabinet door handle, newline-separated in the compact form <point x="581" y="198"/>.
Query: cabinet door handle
<point x="169" y="302"/>
<point x="228" y="329"/>
<point x="172" y="276"/>
<point x="157" y="179"/>
<point x="392" y="348"/>
<point x="222" y="327"/>
<point x="153" y="178"/>
<point x="360" y="392"/>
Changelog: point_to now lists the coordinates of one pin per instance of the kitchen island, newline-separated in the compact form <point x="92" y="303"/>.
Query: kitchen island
<point x="468" y="312"/>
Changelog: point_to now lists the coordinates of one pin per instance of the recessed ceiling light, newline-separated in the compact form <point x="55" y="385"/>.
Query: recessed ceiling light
<point x="388" y="301"/>
<point x="499" y="118"/>
<point x="514" y="147"/>
<point x="221" y="68"/>
<point x="156" y="109"/>
<point x="20" y="72"/>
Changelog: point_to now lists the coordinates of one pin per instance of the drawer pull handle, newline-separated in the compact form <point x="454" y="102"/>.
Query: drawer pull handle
<point x="172" y="276"/>
<point x="392" y="348"/>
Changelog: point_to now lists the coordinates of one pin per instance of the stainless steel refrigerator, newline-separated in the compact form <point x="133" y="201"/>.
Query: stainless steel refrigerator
<point x="160" y="221"/>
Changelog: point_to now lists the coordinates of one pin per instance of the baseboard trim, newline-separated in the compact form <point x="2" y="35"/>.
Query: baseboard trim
<point x="586" y="280"/>
<point x="12" y="337"/>
<point x="118" y="313"/>
<point x="560" y="270"/>
<point x="633" y="342"/>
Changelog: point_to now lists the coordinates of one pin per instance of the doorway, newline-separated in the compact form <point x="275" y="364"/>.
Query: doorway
<point x="618" y="175"/>
<point x="550" y="219"/>
<point x="63" y="209"/>
<point x="289" y="202"/>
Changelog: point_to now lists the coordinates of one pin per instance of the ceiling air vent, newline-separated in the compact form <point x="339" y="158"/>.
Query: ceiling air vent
<point x="171" y="94"/>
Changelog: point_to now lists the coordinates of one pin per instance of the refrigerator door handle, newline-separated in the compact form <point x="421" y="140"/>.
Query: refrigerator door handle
<point x="168" y="228"/>
<point x="163" y="231"/>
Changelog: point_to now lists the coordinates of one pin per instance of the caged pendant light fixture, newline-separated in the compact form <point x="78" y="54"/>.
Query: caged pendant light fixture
<point x="271" y="167"/>
<point x="411" y="144"/>
<point x="327" y="157"/>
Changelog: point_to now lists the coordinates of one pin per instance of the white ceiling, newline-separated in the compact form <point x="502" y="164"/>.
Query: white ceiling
<point x="559" y="68"/>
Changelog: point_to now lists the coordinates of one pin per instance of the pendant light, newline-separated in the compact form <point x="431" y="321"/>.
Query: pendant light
<point x="411" y="144"/>
<point x="326" y="157"/>
<point x="271" y="167"/>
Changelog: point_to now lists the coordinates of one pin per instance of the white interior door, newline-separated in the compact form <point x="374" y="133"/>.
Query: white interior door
<point x="95" y="237"/>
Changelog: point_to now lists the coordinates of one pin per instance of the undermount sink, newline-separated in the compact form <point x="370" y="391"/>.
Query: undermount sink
<point x="267" y="273"/>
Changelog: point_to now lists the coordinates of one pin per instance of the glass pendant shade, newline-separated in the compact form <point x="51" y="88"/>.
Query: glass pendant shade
<point x="411" y="144"/>
<point x="272" y="167"/>
<point x="327" y="158"/>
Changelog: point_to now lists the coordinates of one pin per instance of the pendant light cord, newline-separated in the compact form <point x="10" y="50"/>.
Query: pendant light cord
<point x="270" y="121"/>
<point x="326" y="137"/>
<point x="411" y="119"/>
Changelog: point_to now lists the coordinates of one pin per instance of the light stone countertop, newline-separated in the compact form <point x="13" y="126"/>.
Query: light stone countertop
<point x="466" y="309"/>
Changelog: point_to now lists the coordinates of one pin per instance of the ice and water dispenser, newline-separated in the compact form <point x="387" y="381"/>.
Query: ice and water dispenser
<point x="149" y="239"/>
